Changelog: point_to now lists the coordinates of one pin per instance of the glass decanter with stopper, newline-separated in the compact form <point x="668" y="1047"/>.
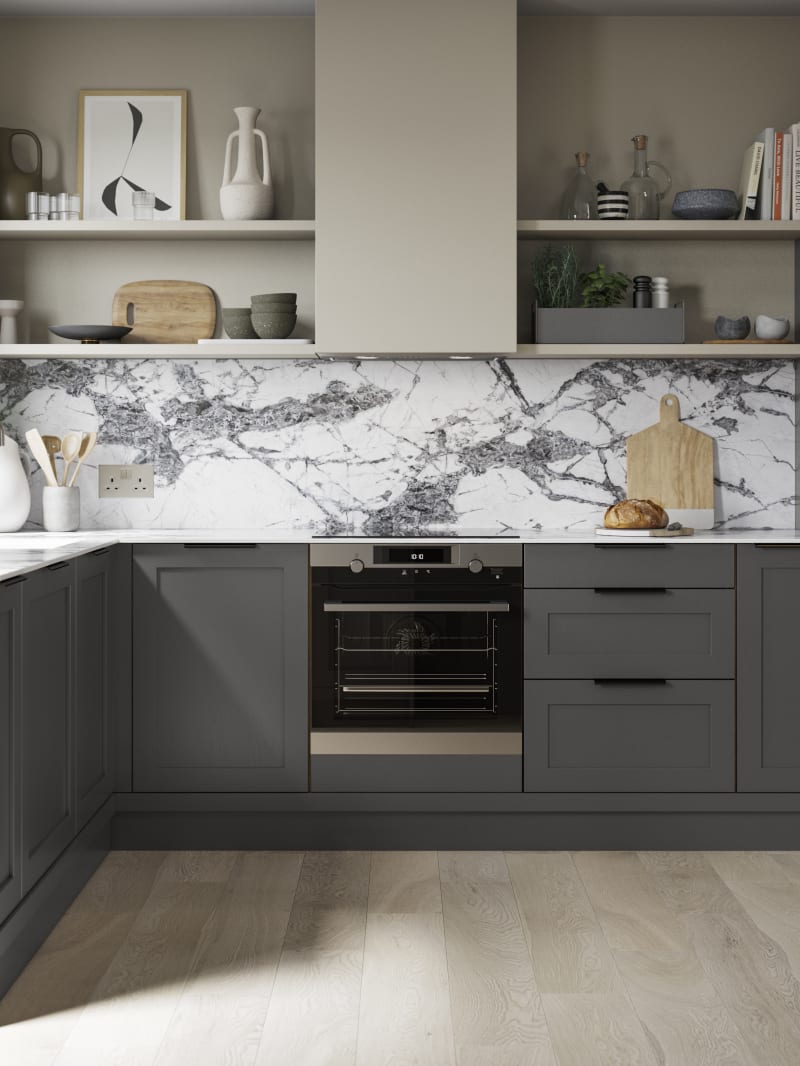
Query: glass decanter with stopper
<point x="643" y="191"/>
<point x="580" y="197"/>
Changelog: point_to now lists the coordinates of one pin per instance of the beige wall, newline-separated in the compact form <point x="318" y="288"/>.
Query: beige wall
<point x="266" y="62"/>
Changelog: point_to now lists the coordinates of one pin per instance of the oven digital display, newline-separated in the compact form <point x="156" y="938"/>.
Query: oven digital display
<point x="424" y="555"/>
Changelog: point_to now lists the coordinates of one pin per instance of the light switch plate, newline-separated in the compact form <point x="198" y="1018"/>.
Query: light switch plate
<point x="126" y="481"/>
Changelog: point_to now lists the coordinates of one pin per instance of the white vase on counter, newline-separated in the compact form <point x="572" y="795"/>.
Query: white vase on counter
<point x="15" y="493"/>
<point x="248" y="194"/>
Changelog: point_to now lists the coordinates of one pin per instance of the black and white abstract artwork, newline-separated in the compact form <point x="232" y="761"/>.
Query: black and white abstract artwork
<point x="130" y="141"/>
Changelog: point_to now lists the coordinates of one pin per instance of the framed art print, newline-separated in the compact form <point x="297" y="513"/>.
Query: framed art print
<point x="128" y="141"/>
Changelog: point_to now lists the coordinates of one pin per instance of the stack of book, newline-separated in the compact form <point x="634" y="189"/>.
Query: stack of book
<point x="769" y="187"/>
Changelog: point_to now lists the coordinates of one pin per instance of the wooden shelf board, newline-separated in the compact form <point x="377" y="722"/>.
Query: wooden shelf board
<point x="664" y="229"/>
<point x="157" y="351"/>
<point x="657" y="351"/>
<point x="190" y="229"/>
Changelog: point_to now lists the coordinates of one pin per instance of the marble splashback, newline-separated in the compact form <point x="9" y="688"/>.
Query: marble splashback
<point x="376" y="445"/>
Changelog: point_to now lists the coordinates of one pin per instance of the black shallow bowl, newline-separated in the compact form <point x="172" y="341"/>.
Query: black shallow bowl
<point x="91" y="334"/>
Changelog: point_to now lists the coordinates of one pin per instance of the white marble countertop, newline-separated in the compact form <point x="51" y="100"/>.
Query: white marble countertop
<point x="21" y="553"/>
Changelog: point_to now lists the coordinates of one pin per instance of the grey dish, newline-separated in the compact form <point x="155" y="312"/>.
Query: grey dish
<point x="238" y="324"/>
<point x="714" y="204"/>
<point x="273" y="326"/>
<point x="91" y="334"/>
<point x="732" y="329"/>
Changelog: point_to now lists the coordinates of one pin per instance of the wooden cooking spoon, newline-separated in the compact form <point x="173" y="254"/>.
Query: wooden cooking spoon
<point x="89" y="441"/>
<point x="70" y="449"/>
<point x="53" y="445"/>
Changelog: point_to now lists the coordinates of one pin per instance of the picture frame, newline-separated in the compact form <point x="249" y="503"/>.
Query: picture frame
<point x="131" y="139"/>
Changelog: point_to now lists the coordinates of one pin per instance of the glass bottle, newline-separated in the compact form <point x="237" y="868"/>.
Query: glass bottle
<point x="642" y="189"/>
<point x="580" y="196"/>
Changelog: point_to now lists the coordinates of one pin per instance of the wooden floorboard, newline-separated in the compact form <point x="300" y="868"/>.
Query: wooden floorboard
<point x="401" y="958"/>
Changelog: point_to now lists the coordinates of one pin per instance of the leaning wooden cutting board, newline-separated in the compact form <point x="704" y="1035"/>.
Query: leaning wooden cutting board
<point x="673" y="465"/>
<point x="165" y="312"/>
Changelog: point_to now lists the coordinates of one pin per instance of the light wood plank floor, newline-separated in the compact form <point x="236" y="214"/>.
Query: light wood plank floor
<point x="418" y="959"/>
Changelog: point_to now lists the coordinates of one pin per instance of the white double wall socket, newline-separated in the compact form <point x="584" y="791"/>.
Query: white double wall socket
<point x="126" y="481"/>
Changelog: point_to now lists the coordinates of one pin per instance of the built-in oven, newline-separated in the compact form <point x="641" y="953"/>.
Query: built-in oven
<point x="416" y="635"/>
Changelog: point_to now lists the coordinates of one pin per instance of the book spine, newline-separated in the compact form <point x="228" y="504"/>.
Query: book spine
<point x="786" y="185"/>
<point x="756" y="164"/>
<point x="796" y="172"/>
<point x="777" y="176"/>
<point x="767" y="137"/>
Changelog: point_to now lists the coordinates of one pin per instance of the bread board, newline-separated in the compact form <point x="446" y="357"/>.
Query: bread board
<point x="673" y="465"/>
<point x="684" y="531"/>
<point x="165" y="312"/>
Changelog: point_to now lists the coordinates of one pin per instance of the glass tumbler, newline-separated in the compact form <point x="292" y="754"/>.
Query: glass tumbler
<point x="144" y="203"/>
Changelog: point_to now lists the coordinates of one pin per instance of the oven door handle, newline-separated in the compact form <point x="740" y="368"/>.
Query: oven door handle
<point x="455" y="608"/>
<point x="414" y="689"/>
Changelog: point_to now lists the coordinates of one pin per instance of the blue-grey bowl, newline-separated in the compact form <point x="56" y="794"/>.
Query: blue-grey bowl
<point x="732" y="329"/>
<point x="705" y="203"/>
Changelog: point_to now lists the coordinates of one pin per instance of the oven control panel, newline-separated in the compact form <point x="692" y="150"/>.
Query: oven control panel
<point x="471" y="557"/>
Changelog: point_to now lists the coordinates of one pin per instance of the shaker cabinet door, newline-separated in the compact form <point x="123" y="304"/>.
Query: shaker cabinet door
<point x="416" y="163"/>
<point x="92" y="717"/>
<point x="10" y="645"/>
<point x="220" y="685"/>
<point x="48" y="803"/>
<point x="768" y="582"/>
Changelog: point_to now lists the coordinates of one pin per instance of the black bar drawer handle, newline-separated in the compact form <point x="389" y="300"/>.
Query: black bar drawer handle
<point x="102" y="551"/>
<point x="215" y="544"/>
<point x="14" y="581"/>
<point x="630" y="681"/>
<point x="627" y="547"/>
<point x="778" y="547"/>
<point x="58" y="566"/>
<point x="635" y="590"/>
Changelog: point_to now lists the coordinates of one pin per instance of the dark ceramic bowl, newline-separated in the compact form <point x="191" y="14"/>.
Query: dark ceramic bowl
<point x="91" y="334"/>
<point x="705" y="204"/>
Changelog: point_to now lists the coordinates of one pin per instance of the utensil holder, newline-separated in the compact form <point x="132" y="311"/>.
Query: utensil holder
<point x="61" y="508"/>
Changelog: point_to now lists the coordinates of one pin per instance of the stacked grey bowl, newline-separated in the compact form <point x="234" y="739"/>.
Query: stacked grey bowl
<point x="271" y="316"/>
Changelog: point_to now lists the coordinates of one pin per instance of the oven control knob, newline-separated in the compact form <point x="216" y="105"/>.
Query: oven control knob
<point x="357" y="565"/>
<point x="474" y="566"/>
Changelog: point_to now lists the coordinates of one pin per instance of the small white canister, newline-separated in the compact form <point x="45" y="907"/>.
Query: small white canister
<point x="61" y="508"/>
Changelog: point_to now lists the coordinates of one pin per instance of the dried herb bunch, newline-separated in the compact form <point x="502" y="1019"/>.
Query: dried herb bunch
<point x="555" y="277"/>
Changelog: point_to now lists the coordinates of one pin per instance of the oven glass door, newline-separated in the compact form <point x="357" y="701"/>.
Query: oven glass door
<point x="395" y="660"/>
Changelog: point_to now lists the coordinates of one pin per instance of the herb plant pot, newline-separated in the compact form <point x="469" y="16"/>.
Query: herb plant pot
<point x="609" y="325"/>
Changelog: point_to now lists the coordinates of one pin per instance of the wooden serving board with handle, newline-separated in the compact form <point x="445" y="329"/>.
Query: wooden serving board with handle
<point x="673" y="465"/>
<point x="165" y="312"/>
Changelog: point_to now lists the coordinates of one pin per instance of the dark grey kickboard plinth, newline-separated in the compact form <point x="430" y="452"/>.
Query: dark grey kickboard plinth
<point x="574" y="831"/>
<point x="28" y="926"/>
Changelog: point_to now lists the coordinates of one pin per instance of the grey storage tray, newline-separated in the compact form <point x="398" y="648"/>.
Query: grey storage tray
<point x="609" y="325"/>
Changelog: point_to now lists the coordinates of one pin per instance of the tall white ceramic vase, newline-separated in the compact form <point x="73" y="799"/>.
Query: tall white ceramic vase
<point x="248" y="194"/>
<point x="15" y="493"/>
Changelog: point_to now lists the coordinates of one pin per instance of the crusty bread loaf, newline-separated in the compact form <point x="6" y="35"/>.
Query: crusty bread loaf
<point x="635" y="514"/>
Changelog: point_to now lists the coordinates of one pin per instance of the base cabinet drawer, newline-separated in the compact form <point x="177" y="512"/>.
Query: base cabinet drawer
<point x="416" y="773"/>
<point x="629" y="633"/>
<point x="675" y="736"/>
<point x="571" y="566"/>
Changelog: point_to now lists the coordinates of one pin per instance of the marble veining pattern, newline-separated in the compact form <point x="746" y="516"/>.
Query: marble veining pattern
<point x="376" y="445"/>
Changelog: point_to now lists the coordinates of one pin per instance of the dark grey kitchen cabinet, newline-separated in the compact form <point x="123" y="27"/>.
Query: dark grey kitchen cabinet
<point x="626" y="565"/>
<point x="93" y="768"/>
<point x="671" y="736"/>
<point x="629" y="632"/>
<point x="220" y="664"/>
<point x="10" y="653"/>
<point x="48" y="794"/>
<point x="768" y="586"/>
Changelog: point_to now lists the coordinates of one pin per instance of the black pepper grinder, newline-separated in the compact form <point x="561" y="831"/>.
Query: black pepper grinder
<point x="642" y="296"/>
